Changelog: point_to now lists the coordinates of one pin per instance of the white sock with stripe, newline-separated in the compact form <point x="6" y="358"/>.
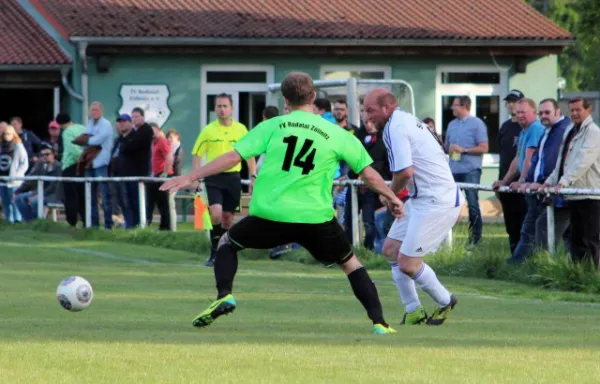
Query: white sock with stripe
<point x="406" y="288"/>
<point x="427" y="281"/>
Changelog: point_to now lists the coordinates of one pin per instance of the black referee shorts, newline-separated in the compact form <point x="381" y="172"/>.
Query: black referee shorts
<point x="326" y="242"/>
<point x="225" y="189"/>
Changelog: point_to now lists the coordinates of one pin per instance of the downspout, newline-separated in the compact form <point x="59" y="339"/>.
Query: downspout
<point x="64" y="72"/>
<point x="82" y="46"/>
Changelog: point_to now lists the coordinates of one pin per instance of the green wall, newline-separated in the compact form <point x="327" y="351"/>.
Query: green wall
<point x="539" y="81"/>
<point x="182" y="75"/>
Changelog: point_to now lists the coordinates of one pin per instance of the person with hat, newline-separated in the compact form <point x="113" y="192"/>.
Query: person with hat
<point x="73" y="193"/>
<point x="135" y="151"/>
<point x="514" y="206"/>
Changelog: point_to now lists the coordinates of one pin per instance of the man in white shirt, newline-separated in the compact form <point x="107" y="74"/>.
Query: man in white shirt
<point x="418" y="162"/>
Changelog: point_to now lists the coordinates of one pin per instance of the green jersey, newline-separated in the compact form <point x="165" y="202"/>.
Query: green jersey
<point x="302" y="152"/>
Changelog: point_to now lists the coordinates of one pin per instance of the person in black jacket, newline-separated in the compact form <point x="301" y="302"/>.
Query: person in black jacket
<point x="135" y="149"/>
<point x="368" y="201"/>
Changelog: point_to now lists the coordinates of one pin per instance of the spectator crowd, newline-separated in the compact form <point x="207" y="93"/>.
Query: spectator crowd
<point x="131" y="148"/>
<point x="540" y="150"/>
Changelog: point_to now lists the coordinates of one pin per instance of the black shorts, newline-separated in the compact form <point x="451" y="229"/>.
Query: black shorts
<point x="225" y="189"/>
<point x="326" y="242"/>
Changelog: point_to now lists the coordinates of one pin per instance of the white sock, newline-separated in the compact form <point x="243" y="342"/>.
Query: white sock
<point x="406" y="288"/>
<point x="427" y="281"/>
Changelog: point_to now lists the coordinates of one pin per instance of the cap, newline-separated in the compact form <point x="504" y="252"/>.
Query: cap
<point x="124" y="117"/>
<point x="514" y="95"/>
<point x="63" y="118"/>
<point x="53" y="124"/>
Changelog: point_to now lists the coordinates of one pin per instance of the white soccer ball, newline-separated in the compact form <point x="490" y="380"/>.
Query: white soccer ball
<point x="74" y="294"/>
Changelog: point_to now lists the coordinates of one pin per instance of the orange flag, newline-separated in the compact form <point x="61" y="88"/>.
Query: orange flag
<point x="201" y="214"/>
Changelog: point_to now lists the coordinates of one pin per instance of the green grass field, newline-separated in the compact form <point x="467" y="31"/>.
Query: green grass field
<point x="294" y="323"/>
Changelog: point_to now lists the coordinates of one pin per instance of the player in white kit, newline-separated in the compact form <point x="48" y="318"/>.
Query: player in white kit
<point x="418" y="162"/>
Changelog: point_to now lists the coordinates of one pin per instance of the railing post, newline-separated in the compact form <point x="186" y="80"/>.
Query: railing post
<point x="88" y="204"/>
<point x="172" y="212"/>
<point x="448" y="239"/>
<point x="142" y="203"/>
<point x="40" y="197"/>
<point x="354" y="202"/>
<point x="352" y="100"/>
<point x="551" y="233"/>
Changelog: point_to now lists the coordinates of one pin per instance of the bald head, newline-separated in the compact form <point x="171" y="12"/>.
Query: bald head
<point x="379" y="106"/>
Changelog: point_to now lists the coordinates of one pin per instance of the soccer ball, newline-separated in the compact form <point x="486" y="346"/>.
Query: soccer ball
<point x="74" y="294"/>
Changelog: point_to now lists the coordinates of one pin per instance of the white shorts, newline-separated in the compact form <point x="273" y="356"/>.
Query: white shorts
<point x="424" y="226"/>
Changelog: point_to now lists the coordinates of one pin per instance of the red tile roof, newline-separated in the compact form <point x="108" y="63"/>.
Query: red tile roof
<point x="22" y="40"/>
<point x="305" y="19"/>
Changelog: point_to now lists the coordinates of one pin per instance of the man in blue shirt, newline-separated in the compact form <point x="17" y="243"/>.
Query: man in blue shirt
<point x="543" y="162"/>
<point x="467" y="141"/>
<point x="529" y="139"/>
<point x="99" y="136"/>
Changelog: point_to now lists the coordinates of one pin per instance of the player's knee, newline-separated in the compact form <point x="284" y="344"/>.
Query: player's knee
<point x="390" y="249"/>
<point x="226" y="220"/>
<point x="225" y="241"/>
<point x="409" y="265"/>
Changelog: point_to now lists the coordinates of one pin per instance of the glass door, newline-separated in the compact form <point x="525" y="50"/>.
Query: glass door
<point x="485" y="104"/>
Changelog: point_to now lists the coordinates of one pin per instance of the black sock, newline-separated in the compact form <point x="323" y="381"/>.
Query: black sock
<point x="366" y="292"/>
<point x="215" y="235"/>
<point x="226" y="263"/>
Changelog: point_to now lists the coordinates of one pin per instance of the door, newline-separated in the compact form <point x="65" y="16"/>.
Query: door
<point x="484" y="105"/>
<point x="247" y="85"/>
<point x="209" y="105"/>
<point x="486" y="86"/>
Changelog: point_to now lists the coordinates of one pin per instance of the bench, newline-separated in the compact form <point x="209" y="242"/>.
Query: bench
<point x="53" y="209"/>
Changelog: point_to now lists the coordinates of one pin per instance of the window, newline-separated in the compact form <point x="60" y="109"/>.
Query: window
<point x="486" y="86"/>
<point x="338" y="72"/>
<point x="470" y="78"/>
<point x="236" y="77"/>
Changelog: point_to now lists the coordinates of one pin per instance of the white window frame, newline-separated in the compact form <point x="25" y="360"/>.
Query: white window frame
<point x="472" y="90"/>
<point x="233" y="89"/>
<point x="386" y="69"/>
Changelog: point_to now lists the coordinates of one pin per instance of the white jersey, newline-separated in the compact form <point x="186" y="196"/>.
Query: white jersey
<point x="409" y="143"/>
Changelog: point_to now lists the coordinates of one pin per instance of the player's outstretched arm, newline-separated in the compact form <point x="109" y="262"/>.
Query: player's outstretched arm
<point x="377" y="184"/>
<point x="218" y="165"/>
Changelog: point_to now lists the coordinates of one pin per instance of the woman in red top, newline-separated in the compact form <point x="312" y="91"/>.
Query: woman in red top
<point x="162" y="166"/>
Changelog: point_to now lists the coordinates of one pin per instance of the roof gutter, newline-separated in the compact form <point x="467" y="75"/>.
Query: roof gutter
<point x="33" y="67"/>
<point x="179" y="41"/>
<point x="63" y="74"/>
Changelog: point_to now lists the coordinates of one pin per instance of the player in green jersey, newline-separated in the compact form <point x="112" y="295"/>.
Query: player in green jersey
<point x="292" y="199"/>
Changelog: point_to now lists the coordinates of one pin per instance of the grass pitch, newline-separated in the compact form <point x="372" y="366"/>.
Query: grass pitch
<point x="294" y="324"/>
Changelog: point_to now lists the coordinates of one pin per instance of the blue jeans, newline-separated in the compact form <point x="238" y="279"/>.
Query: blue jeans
<point x="106" y="197"/>
<point x="383" y="223"/>
<point x="11" y="212"/>
<point x="28" y="210"/>
<point x="475" y="220"/>
<point x="526" y="243"/>
<point x="130" y="203"/>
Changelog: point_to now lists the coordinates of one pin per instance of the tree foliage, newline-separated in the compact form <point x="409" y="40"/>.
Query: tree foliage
<point x="579" y="63"/>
